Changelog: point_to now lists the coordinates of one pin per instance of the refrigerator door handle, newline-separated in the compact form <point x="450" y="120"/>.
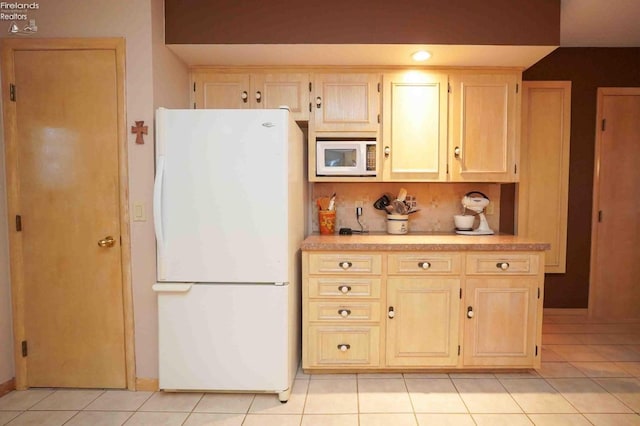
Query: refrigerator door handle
<point x="172" y="288"/>
<point x="157" y="202"/>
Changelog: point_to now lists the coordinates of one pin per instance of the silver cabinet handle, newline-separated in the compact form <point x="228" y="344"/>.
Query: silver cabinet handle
<point x="343" y="347"/>
<point x="391" y="313"/>
<point x="387" y="152"/>
<point x="424" y="265"/>
<point x="344" y="289"/>
<point x="457" y="151"/>
<point x="318" y="102"/>
<point x="258" y="96"/>
<point x="244" y="96"/>
<point x="502" y="265"/>
<point x="344" y="312"/>
<point x="346" y="265"/>
<point x="470" y="312"/>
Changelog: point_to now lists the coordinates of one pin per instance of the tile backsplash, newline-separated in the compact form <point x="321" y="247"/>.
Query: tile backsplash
<point x="438" y="202"/>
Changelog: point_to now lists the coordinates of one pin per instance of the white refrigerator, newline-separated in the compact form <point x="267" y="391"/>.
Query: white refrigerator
<point x="229" y="215"/>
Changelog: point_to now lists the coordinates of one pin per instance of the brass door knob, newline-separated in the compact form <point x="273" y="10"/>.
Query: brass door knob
<point x="107" y="242"/>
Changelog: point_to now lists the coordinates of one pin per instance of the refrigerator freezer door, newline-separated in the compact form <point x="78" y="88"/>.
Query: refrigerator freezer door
<point x="221" y="195"/>
<point x="223" y="337"/>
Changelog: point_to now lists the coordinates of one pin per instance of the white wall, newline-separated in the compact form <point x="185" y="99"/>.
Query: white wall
<point x="140" y="23"/>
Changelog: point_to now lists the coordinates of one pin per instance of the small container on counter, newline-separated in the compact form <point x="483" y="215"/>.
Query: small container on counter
<point x="327" y="221"/>
<point x="397" y="223"/>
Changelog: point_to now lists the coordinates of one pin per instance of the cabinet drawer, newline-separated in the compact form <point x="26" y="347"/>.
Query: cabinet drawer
<point x="344" y="287"/>
<point x="344" y="346"/>
<point x="348" y="311"/>
<point x="503" y="263"/>
<point x="344" y="263"/>
<point x="424" y="263"/>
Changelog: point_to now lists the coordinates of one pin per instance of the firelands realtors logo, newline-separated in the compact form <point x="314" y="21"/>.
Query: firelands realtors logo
<point x="14" y="11"/>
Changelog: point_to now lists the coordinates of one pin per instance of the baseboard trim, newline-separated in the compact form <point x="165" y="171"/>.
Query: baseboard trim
<point x="566" y="311"/>
<point x="149" y="385"/>
<point x="7" y="386"/>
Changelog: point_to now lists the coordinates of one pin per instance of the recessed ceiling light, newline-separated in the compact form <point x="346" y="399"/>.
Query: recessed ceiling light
<point x="421" y="55"/>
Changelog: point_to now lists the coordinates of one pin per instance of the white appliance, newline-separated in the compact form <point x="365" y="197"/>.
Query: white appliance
<point x="228" y="208"/>
<point x="353" y="157"/>
<point x="476" y="201"/>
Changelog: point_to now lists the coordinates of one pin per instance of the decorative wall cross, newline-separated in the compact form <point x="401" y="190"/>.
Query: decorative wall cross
<point x="139" y="129"/>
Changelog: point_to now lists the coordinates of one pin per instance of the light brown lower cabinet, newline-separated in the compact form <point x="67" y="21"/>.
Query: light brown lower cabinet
<point x="376" y="311"/>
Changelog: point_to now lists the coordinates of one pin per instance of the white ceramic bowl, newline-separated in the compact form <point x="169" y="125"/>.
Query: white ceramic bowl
<point x="464" y="222"/>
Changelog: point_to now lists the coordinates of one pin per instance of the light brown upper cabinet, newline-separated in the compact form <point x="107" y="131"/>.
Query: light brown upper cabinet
<point x="346" y="102"/>
<point x="484" y="126"/>
<point x="256" y="91"/>
<point x="544" y="179"/>
<point x="414" y="128"/>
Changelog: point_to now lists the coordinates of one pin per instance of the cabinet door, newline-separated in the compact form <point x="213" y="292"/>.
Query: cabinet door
<point x="215" y="90"/>
<point x="415" y="126"/>
<point x="274" y="90"/>
<point x="544" y="178"/>
<point x="500" y="321"/>
<point x="484" y="127"/>
<point x="346" y="102"/>
<point x="423" y="329"/>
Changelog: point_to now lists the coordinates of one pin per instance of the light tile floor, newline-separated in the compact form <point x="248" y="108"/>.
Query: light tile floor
<point x="590" y="375"/>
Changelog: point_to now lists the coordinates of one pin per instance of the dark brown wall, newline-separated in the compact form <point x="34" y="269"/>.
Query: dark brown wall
<point x="588" y="69"/>
<point x="517" y="22"/>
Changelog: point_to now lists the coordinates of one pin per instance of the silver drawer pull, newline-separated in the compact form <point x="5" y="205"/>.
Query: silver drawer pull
<point x="502" y="265"/>
<point x="424" y="265"/>
<point x="344" y="312"/>
<point x="343" y="347"/>
<point x="344" y="289"/>
<point x="346" y="265"/>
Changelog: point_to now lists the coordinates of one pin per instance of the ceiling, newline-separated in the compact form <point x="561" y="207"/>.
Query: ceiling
<point x="600" y="23"/>
<point x="583" y="23"/>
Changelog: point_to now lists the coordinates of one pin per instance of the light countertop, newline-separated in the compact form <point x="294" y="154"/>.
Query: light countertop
<point x="422" y="242"/>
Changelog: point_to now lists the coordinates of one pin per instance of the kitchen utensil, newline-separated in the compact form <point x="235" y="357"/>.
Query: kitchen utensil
<point x="402" y="194"/>
<point x="400" y="207"/>
<point x="476" y="201"/>
<point x="382" y="202"/>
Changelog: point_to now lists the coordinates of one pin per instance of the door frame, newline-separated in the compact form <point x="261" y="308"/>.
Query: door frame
<point x="16" y="261"/>
<point x="601" y="93"/>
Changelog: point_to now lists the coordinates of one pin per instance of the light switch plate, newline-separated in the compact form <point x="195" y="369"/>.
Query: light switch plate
<point x="139" y="212"/>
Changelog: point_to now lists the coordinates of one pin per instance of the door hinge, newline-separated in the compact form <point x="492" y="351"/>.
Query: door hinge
<point x="536" y="350"/>
<point x="12" y="92"/>
<point x="194" y="106"/>
<point x="517" y="87"/>
<point x="24" y="348"/>
<point x="604" y="124"/>
<point x="18" y="223"/>
<point x="309" y="106"/>
<point x="378" y="87"/>
<point x="461" y="293"/>
<point x="515" y="169"/>
<point x="538" y="292"/>
<point x="599" y="215"/>
<point x="448" y="87"/>
<point x="458" y="350"/>
<point x="310" y="86"/>
<point x="378" y="118"/>
<point x="194" y="86"/>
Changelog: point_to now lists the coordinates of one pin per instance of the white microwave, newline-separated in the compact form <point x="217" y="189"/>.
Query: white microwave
<point x="345" y="157"/>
